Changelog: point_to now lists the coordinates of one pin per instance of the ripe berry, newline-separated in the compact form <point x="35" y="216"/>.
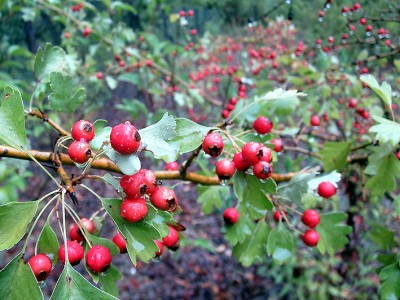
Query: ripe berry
<point x="262" y="125"/>
<point x="240" y="163"/>
<point x="251" y="152"/>
<point x="164" y="199"/>
<point x="352" y="103"/>
<point x="277" y="144"/>
<point x="172" y="166"/>
<point x="75" y="233"/>
<point x="79" y="152"/>
<point x="326" y="189"/>
<point x="230" y="215"/>
<point x="82" y="130"/>
<point x="310" y="218"/>
<point x="86" y="31"/>
<point x="160" y="248"/>
<point x="266" y="154"/>
<point x="119" y="240"/>
<point x="278" y="216"/>
<point x="75" y="253"/>
<point x="182" y="13"/>
<point x="213" y="144"/>
<point x="133" y="209"/>
<point x="190" y="13"/>
<point x="262" y="170"/>
<point x="125" y="138"/>
<point x="398" y="155"/>
<point x="315" y="121"/>
<point x="171" y="239"/>
<point x="310" y="237"/>
<point x="193" y="31"/>
<point x="99" y="75"/>
<point x="98" y="258"/>
<point x="363" y="21"/>
<point x="225" y="169"/>
<point x="138" y="184"/>
<point x="41" y="266"/>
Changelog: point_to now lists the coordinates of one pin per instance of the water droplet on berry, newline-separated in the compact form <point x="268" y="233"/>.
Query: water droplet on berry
<point x="224" y="182"/>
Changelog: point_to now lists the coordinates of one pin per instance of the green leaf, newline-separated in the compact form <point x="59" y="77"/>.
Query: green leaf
<point x="72" y="285"/>
<point x="333" y="177"/>
<point x="130" y="77"/>
<point x="14" y="219"/>
<point x="102" y="134"/>
<point x="189" y="136"/>
<point x="252" y="249"/>
<point x="95" y="240"/>
<point x="109" y="281"/>
<point x="280" y="244"/>
<point x="332" y="232"/>
<point x="66" y="95"/>
<point x="386" y="131"/>
<point x="237" y="232"/>
<point x="390" y="278"/>
<point x="155" y="137"/>
<point x="12" y="118"/>
<point x="111" y="82"/>
<point x="140" y="236"/>
<point x="387" y="170"/>
<point x="334" y="155"/>
<point x="381" y="236"/>
<point x="384" y="91"/>
<point x="251" y="193"/>
<point x="52" y="59"/>
<point x="48" y="243"/>
<point x="210" y="197"/>
<point x="296" y="187"/>
<point x="18" y="282"/>
<point x="128" y="164"/>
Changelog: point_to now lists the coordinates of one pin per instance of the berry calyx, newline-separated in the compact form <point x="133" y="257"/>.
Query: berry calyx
<point x="310" y="218"/>
<point x="75" y="253"/>
<point x="82" y="130"/>
<point x="79" y="152"/>
<point x="225" y="169"/>
<point x="125" y="138"/>
<point x="262" y="125"/>
<point x="230" y="215"/>
<point x="136" y="185"/>
<point x="315" y="121"/>
<point x="310" y="237"/>
<point x="326" y="189"/>
<point x="213" y="144"/>
<point x="164" y="199"/>
<point x="119" y="240"/>
<point x="41" y="266"/>
<point x="278" y="145"/>
<point x="172" y="239"/>
<point x="133" y="209"/>
<point x="160" y="248"/>
<point x="251" y="152"/>
<point x="278" y="216"/>
<point x="172" y="166"/>
<point x="75" y="232"/>
<point x="262" y="170"/>
<point x="98" y="258"/>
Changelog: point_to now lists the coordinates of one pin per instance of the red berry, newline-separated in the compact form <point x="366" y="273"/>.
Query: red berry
<point x="315" y="121"/>
<point x="171" y="239"/>
<point x="331" y="39"/>
<point x="182" y="13"/>
<point x="75" y="233"/>
<point x="160" y="248"/>
<point x="368" y="28"/>
<point x="99" y="75"/>
<point x="277" y="144"/>
<point x="356" y="6"/>
<point x="41" y="266"/>
<point x="262" y="125"/>
<point x="82" y="130"/>
<point x="79" y="152"/>
<point x="251" y="152"/>
<point x="75" y="253"/>
<point x="352" y="103"/>
<point x="240" y="163"/>
<point x="86" y="31"/>
<point x="119" y="240"/>
<point x="67" y="35"/>
<point x="233" y="101"/>
<point x="149" y="63"/>
<point x="310" y="238"/>
<point x="125" y="138"/>
<point x="230" y="215"/>
<point x="225" y="169"/>
<point x="398" y="155"/>
<point x="190" y="13"/>
<point x="326" y="189"/>
<point x="363" y="21"/>
<point x="262" y="170"/>
<point x="278" y="216"/>
<point x="98" y="258"/>
<point x="164" y="199"/>
<point x="193" y="31"/>
<point x="133" y="209"/>
<point x="121" y="63"/>
<point x="172" y="166"/>
<point x="225" y="113"/>
<point x="266" y="154"/>
<point x="310" y="218"/>
<point x="213" y="144"/>
<point x="138" y="184"/>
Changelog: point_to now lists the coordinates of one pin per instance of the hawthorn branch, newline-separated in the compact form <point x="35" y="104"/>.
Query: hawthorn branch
<point x="52" y="123"/>
<point x="301" y="150"/>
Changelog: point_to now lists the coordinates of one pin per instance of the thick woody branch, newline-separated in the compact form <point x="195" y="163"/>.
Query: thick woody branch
<point x="53" y="124"/>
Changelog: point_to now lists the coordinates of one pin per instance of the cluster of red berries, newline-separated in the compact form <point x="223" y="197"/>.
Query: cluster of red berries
<point x="82" y="132"/>
<point x="229" y="107"/>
